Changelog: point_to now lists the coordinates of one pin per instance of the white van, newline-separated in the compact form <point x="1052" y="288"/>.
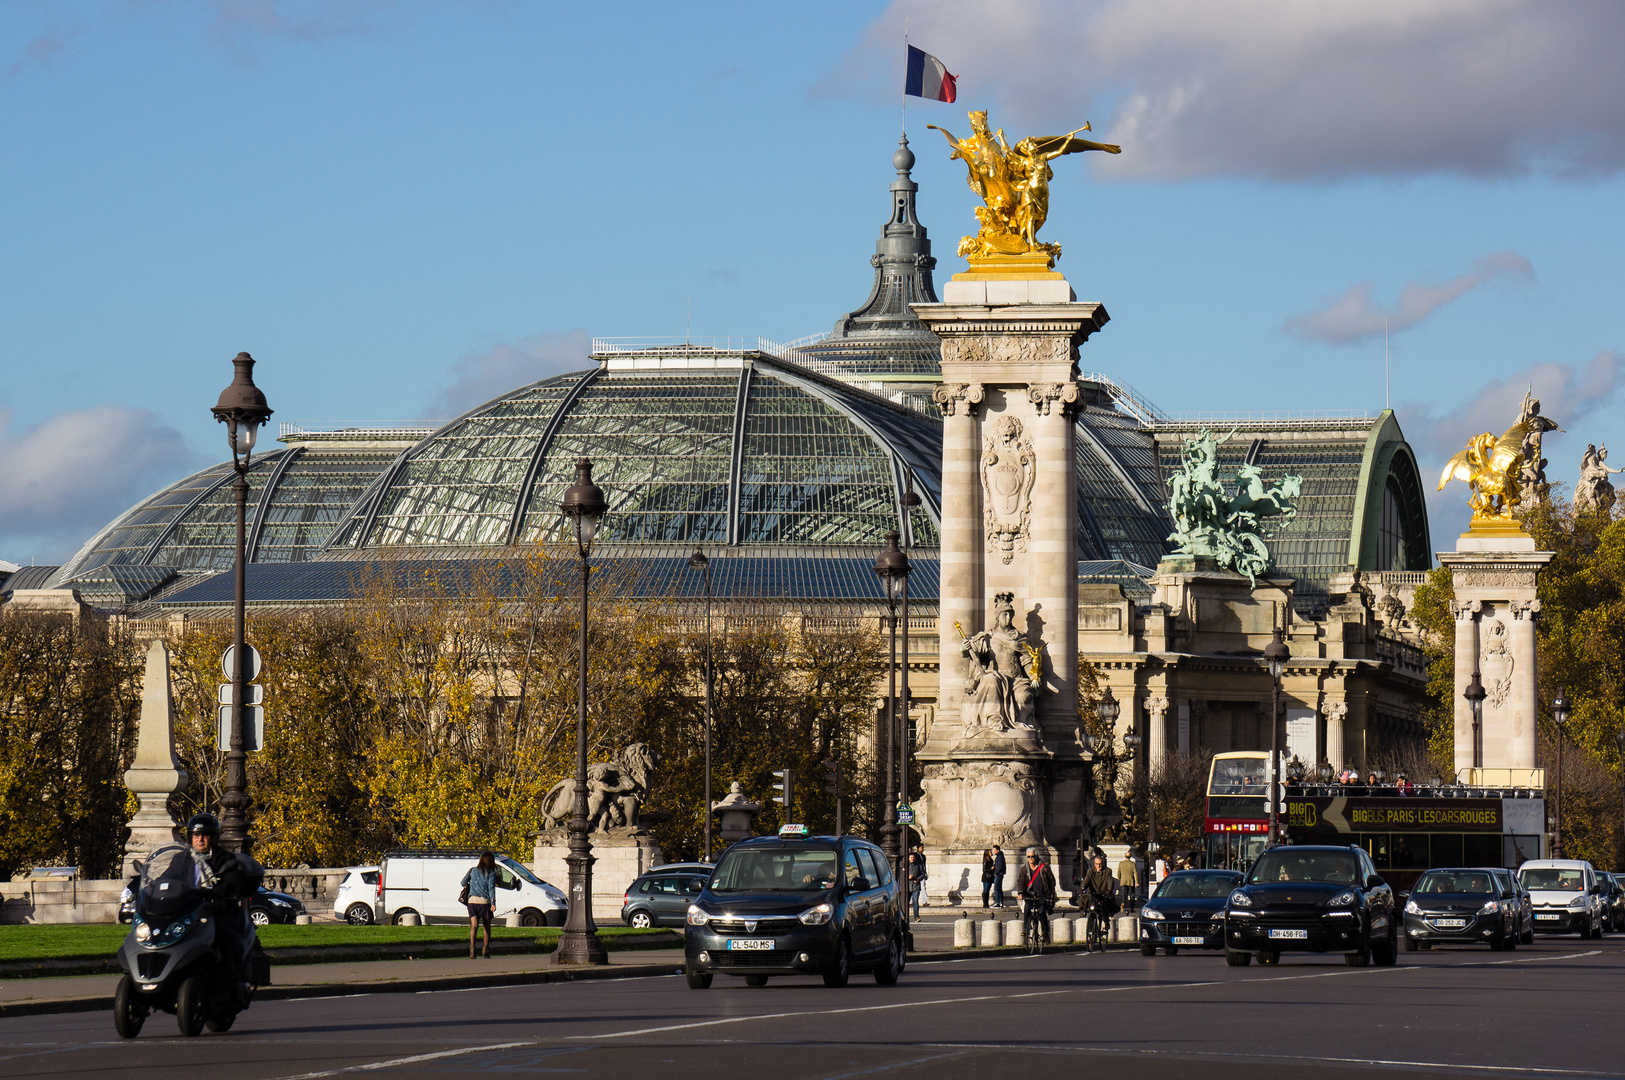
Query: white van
<point x="426" y="883"/>
<point x="1566" y="895"/>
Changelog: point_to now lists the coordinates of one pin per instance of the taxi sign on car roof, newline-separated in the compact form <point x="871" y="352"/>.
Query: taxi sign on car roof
<point x="792" y="830"/>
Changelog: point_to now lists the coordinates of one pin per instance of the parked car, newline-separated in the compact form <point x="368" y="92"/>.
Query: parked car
<point x="795" y="904"/>
<point x="1187" y="911"/>
<point x="1613" y="902"/>
<point x="661" y="896"/>
<point x="266" y="906"/>
<point x="1566" y="894"/>
<point x="1468" y="906"/>
<point x="1526" y="906"/>
<point x="359" y="896"/>
<point x="1311" y="899"/>
<point x="426" y="884"/>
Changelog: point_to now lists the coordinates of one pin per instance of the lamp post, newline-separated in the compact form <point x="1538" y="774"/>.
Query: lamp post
<point x="1107" y="711"/>
<point x="242" y="408"/>
<point x="1276" y="655"/>
<point x="1132" y="741"/>
<point x="1560" y="717"/>
<point x="1619" y="739"/>
<point x="583" y="508"/>
<point x="1092" y="745"/>
<point x="1475" y="696"/>
<point x="699" y="562"/>
<point x="908" y="501"/>
<point x="892" y="568"/>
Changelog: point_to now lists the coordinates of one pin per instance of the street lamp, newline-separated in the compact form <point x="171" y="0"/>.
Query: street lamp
<point x="242" y="408"/>
<point x="699" y="562"/>
<point x="1475" y="696"/>
<point x="908" y="501"/>
<point x="1560" y="717"/>
<point x="583" y="508"/>
<point x="1619" y="738"/>
<point x="1132" y="741"/>
<point x="1276" y="655"/>
<point x="892" y="568"/>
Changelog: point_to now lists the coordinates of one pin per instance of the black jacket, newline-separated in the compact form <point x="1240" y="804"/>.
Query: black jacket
<point x="231" y="880"/>
<point x="998" y="866"/>
<point x="1039" y="884"/>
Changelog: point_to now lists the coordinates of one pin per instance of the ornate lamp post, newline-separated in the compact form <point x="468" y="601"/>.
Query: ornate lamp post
<point x="1107" y="711"/>
<point x="243" y="410"/>
<point x="1560" y="717"/>
<point x="1619" y="739"/>
<point x="583" y="508"/>
<point x="908" y="501"/>
<point x="1276" y="655"/>
<point x="699" y="562"/>
<point x="1475" y="696"/>
<point x="1131" y="746"/>
<point x="892" y="568"/>
<point x="1092" y="745"/>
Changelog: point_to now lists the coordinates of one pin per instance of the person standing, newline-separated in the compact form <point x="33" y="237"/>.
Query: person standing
<point x="987" y="874"/>
<point x="1128" y="879"/>
<point x="480" y="897"/>
<point x="925" y="895"/>
<point x="998" y="876"/>
<point x="916" y="881"/>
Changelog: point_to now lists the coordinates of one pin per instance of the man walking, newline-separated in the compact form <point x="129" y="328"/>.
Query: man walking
<point x="998" y="876"/>
<point x="1128" y="880"/>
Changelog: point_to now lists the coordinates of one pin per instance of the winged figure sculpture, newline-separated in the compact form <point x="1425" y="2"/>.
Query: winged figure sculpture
<point x="1490" y="467"/>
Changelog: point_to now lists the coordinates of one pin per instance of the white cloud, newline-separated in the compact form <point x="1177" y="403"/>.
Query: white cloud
<point x="63" y="479"/>
<point x="1283" y="89"/>
<point x="1354" y="316"/>
<point x="479" y="377"/>
<point x="242" y="27"/>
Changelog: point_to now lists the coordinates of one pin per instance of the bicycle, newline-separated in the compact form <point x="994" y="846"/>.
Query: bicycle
<point x="1095" y="927"/>
<point x="1034" y="925"/>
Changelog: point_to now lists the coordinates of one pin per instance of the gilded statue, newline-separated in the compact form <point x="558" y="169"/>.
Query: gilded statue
<point x="1013" y="184"/>
<point x="1491" y="467"/>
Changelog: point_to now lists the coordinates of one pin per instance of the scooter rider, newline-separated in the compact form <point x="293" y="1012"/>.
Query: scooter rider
<point x="218" y="874"/>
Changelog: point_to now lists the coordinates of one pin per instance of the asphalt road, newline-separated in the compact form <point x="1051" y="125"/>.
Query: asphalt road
<point x="1551" y="1010"/>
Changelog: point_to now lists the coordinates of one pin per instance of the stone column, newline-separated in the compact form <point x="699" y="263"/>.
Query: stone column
<point x="1336" y="753"/>
<point x="1524" y="698"/>
<point x="156" y="772"/>
<point x="1467" y="628"/>
<point x="961" y="578"/>
<point x="1156" y="720"/>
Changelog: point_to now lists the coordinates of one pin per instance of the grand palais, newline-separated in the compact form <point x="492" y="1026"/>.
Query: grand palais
<point x="786" y="463"/>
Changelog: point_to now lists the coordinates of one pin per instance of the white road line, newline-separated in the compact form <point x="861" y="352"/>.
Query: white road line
<point x="893" y="1065"/>
<point x="392" y="1063"/>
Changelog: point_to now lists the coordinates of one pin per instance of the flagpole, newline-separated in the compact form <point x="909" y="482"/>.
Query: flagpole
<point x="905" y="76"/>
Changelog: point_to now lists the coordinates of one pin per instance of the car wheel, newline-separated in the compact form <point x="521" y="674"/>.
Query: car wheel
<point x="129" y="1011"/>
<point x="1410" y="943"/>
<point x="1148" y="950"/>
<point x="640" y="920"/>
<point x="755" y="980"/>
<point x="841" y="969"/>
<point x="1528" y="937"/>
<point x="1237" y="959"/>
<point x="222" y="1023"/>
<point x="1360" y="957"/>
<point x="359" y="915"/>
<point x="887" y="973"/>
<point x="531" y="917"/>
<point x="1386" y="954"/>
<point x="698" y="981"/>
<point x="1172" y="950"/>
<point x="192" y="1006"/>
<point x="1511" y="941"/>
<point x="1585" y="931"/>
<point x="259" y="916"/>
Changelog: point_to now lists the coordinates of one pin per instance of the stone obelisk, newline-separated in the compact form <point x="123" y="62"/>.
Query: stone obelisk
<point x="156" y="773"/>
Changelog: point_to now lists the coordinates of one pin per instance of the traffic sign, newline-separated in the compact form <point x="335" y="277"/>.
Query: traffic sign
<point x="254" y="736"/>
<point x="228" y="663"/>
<point x="254" y="696"/>
<point x="905" y="814"/>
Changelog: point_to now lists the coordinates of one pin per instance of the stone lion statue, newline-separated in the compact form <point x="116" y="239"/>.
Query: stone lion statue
<point x="614" y="790"/>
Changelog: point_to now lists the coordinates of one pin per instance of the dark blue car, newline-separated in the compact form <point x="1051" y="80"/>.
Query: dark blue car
<point x="1187" y="911"/>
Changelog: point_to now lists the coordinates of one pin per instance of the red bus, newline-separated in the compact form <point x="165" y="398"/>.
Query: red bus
<point x="1238" y="820"/>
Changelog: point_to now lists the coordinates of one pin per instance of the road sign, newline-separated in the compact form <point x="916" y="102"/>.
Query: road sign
<point x="227" y="663"/>
<point x="255" y="695"/>
<point x="255" y="733"/>
<point x="905" y="814"/>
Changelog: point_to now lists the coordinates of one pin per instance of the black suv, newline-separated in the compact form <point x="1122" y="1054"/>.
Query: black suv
<point x="797" y="905"/>
<point x="1311" y="899"/>
<point x="661" y="897"/>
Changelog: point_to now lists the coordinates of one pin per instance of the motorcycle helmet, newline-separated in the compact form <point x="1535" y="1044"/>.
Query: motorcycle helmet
<point x="203" y="825"/>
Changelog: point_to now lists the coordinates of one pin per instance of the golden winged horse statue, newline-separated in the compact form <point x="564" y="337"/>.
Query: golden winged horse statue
<point x="1490" y="467"/>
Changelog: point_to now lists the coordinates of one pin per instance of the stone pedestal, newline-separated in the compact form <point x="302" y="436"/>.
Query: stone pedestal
<point x="1009" y="395"/>
<point x="156" y="773"/>
<point x="620" y="855"/>
<point x="1494" y="569"/>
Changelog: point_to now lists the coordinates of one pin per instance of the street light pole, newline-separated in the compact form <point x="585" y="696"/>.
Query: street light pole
<point x="699" y="562"/>
<point x="1106" y="710"/>
<point x="242" y="408"/>
<point x="1475" y="696"/>
<point x="1619" y="739"/>
<point x="1276" y="655"/>
<point x="892" y="568"/>
<point x="583" y="507"/>
<point x="1560" y="717"/>
<point x="908" y="502"/>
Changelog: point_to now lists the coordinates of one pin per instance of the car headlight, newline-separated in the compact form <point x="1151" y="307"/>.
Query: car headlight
<point x="817" y="916"/>
<point x="1151" y="913"/>
<point x="1239" y="898"/>
<point x="1578" y="902"/>
<point x="1346" y="898"/>
<point x="279" y="903"/>
<point x="1411" y="908"/>
<point x="1490" y="907"/>
<point x="126" y="896"/>
<point x="142" y="931"/>
<point x="697" y="916"/>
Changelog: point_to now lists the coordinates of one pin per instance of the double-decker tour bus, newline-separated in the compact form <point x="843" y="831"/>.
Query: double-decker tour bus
<point x="1238" y="819"/>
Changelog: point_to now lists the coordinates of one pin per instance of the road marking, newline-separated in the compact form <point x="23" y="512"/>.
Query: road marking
<point x="1531" y="959"/>
<point x="392" y="1063"/>
<point x="893" y="1065"/>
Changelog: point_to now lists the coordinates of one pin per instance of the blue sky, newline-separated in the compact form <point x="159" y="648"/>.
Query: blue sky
<point x="402" y="209"/>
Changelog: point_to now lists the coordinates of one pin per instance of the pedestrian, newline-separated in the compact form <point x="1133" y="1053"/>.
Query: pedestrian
<point x="916" y="881"/>
<point x="480" y="897"/>
<point x="987" y="875"/>
<point x="1128" y="879"/>
<point x="925" y="876"/>
<point x="998" y="876"/>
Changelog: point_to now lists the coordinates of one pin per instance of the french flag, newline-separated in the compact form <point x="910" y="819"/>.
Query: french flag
<point x="928" y="77"/>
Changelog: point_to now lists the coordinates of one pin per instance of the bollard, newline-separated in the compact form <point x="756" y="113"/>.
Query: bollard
<point x="1012" y="932"/>
<point x="302" y="920"/>
<point x="1126" y="928"/>
<point x="964" y="933"/>
<point x="513" y="919"/>
<point x="1080" y="931"/>
<point x="410" y="919"/>
<point x="1060" y="930"/>
<point x="987" y="933"/>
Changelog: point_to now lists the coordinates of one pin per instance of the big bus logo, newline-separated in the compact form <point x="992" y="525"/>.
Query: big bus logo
<point x="1302" y="815"/>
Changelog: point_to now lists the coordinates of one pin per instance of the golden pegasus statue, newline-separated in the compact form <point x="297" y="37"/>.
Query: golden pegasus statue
<point x="1490" y="467"/>
<point x="1013" y="184"/>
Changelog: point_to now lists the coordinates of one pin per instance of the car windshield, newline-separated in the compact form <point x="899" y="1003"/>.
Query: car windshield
<point x="1320" y="868"/>
<point x="773" y="869"/>
<point x="1553" y="879"/>
<point x="1454" y="882"/>
<point x="518" y="869"/>
<point x="1196" y="886"/>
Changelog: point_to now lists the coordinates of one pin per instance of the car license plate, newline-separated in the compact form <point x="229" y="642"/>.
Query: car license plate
<point x="1450" y="923"/>
<point x="1291" y="935"/>
<point x="1548" y="916"/>
<point x="1188" y="940"/>
<point x="750" y="943"/>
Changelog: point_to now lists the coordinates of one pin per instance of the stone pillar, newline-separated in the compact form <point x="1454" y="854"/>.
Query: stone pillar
<point x="1522" y="734"/>
<point x="961" y="580"/>
<point x="1336" y="751"/>
<point x="1467" y="614"/>
<point x="156" y="772"/>
<point x="1156" y="719"/>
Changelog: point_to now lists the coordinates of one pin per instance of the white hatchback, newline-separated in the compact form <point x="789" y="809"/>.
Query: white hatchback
<point x="359" y="899"/>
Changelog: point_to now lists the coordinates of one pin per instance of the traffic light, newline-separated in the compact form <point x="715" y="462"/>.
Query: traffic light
<point x="832" y="777"/>
<point x="787" y="788"/>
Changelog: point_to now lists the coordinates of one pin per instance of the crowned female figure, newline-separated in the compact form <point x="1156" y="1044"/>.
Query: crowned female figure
<point x="998" y="686"/>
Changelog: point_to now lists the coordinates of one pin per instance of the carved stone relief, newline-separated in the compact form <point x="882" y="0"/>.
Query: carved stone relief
<point x="1520" y="608"/>
<point x="1335" y="710"/>
<point x="1006" y="348"/>
<point x="1496" y="662"/>
<point x="1467" y="577"/>
<point x="1009" y="467"/>
<point x="958" y="399"/>
<point x="1000" y="798"/>
<point x="1043" y="395"/>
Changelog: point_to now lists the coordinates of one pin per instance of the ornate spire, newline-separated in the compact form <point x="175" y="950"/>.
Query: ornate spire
<point x="903" y="264"/>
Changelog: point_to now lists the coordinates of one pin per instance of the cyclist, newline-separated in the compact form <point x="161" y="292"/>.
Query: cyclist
<point x="1098" y="891"/>
<point x="1037" y="890"/>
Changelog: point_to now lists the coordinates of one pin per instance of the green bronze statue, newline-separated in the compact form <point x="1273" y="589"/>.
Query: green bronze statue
<point x="1229" y="529"/>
